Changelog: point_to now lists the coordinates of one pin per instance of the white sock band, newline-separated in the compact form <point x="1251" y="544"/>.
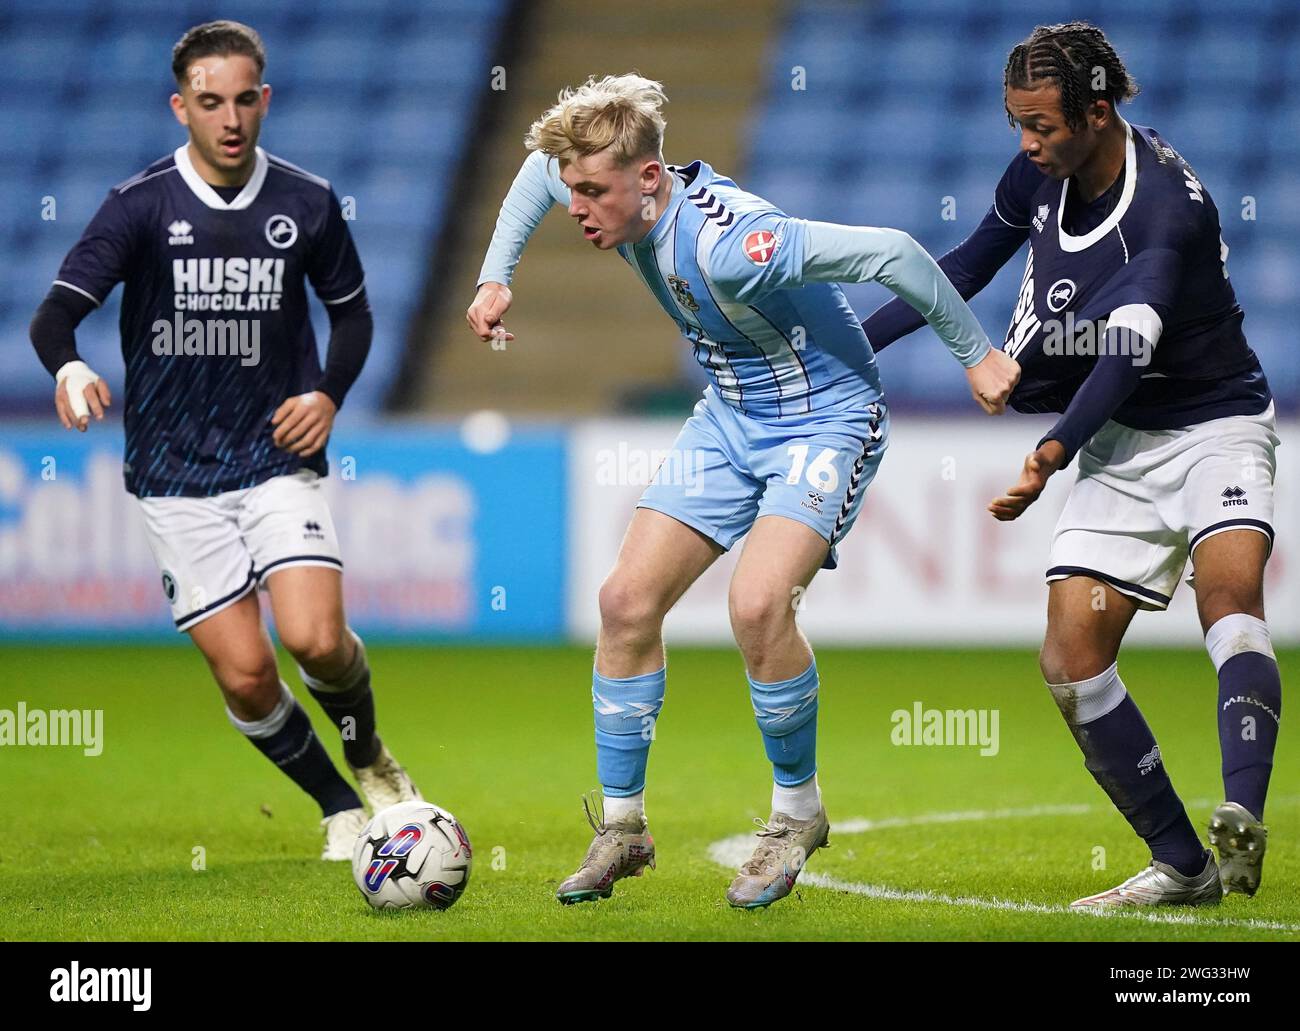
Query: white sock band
<point x="351" y="676"/>
<point x="271" y="723"/>
<point x="1237" y="633"/>
<point x="803" y="801"/>
<point x="1089" y="700"/>
<point x="618" y="808"/>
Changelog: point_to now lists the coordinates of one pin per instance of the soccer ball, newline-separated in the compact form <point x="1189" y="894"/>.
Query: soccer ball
<point x="412" y="855"/>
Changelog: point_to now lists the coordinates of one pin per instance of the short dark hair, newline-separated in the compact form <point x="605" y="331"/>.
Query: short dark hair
<point x="1072" y="55"/>
<point x="221" y="38"/>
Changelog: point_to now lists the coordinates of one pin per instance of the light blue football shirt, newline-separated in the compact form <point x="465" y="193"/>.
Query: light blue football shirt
<point x="754" y="290"/>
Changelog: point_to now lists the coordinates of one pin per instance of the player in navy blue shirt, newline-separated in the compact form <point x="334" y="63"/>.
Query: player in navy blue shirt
<point x="1127" y="324"/>
<point x="227" y="411"/>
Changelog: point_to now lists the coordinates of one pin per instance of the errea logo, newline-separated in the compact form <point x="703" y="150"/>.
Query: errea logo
<point x="1040" y="219"/>
<point x="181" y="232"/>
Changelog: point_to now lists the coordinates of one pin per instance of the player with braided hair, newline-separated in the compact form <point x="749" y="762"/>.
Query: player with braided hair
<point x="1128" y="326"/>
<point x="1079" y="59"/>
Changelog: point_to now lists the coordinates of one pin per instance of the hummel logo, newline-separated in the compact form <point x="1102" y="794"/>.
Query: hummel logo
<point x="312" y="530"/>
<point x="1149" y="761"/>
<point x="1234" y="496"/>
<point x="180" y="232"/>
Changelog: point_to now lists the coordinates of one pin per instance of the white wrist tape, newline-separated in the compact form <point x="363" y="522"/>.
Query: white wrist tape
<point x="79" y="376"/>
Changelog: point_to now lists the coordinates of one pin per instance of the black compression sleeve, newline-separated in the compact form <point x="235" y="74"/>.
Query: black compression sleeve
<point x="1115" y="376"/>
<point x="53" y="328"/>
<point x="351" y="330"/>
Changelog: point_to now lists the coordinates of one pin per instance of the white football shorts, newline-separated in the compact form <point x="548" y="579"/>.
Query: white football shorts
<point x="212" y="551"/>
<point x="1145" y="499"/>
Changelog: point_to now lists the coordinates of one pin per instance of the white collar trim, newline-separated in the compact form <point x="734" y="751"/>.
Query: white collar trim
<point x="1079" y="243"/>
<point x="207" y="194"/>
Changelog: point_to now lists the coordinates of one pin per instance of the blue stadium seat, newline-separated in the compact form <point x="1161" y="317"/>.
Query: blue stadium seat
<point x="86" y="86"/>
<point x="911" y="120"/>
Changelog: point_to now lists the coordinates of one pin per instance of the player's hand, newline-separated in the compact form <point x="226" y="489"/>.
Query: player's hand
<point x="303" y="423"/>
<point x="79" y="393"/>
<point x="484" y="316"/>
<point x="992" y="379"/>
<point x="1039" y="465"/>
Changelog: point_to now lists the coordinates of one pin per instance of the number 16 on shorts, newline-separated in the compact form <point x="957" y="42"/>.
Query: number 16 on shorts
<point x="821" y="472"/>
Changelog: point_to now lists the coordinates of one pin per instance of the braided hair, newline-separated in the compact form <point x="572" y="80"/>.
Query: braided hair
<point x="1079" y="59"/>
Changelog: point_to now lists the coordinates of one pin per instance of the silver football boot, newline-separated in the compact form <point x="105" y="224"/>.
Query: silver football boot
<point x="784" y="846"/>
<point x="1160" y="885"/>
<point x="341" y="832"/>
<point x="385" y="782"/>
<point x="1241" y="840"/>
<point x="621" y="849"/>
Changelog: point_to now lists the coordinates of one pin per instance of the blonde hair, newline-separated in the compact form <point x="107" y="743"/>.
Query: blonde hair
<point x="619" y="113"/>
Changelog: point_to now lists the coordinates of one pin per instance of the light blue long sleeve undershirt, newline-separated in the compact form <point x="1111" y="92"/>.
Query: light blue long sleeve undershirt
<point x="535" y="190"/>
<point x="865" y="254"/>
<point x="832" y="254"/>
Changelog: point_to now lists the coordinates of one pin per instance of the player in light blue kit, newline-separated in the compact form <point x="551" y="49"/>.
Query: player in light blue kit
<point x="789" y="433"/>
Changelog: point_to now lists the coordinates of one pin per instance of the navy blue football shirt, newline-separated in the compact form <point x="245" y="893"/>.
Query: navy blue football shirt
<point x="1152" y="240"/>
<point x="1158" y="243"/>
<point x="215" y="327"/>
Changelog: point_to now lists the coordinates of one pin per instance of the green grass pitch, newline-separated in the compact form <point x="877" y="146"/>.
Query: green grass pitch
<point x="961" y="846"/>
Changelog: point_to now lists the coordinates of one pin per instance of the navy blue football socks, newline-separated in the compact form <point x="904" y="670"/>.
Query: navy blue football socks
<point x="287" y="739"/>
<point x="1250" y="711"/>
<point x="350" y="705"/>
<point x="1122" y="755"/>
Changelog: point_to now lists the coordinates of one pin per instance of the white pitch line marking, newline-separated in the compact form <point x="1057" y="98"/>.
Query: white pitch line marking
<point x="733" y="851"/>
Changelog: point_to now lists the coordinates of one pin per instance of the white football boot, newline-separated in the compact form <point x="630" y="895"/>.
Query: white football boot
<point x="620" y="849"/>
<point x="341" y="832"/>
<point x="1241" y="840"/>
<point x="783" y="848"/>
<point x="1160" y="885"/>
<point x="384" y="782"/>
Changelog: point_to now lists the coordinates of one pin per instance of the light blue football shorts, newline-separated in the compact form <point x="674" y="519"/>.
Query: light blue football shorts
<point x="726" y="469"/>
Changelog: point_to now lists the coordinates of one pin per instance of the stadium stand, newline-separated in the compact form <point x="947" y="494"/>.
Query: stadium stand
<point x="382" y="113"/>
<point x="894" y="124"/>
<point x="896" y="119"/>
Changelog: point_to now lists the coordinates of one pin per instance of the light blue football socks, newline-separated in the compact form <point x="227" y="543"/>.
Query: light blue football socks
<point x="626" y="710"/>
<point x="786" y="712"/>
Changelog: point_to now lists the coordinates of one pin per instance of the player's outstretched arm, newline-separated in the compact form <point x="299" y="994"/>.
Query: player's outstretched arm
<point x="535" y="190"/>
<point x="860" y="254"/>
<point x="774" y="252"/>
<point x="1131" y="335"/>
<point x="970" y="267"/>
<point x="973" y="263"/>
<point x="78" y="392"/>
